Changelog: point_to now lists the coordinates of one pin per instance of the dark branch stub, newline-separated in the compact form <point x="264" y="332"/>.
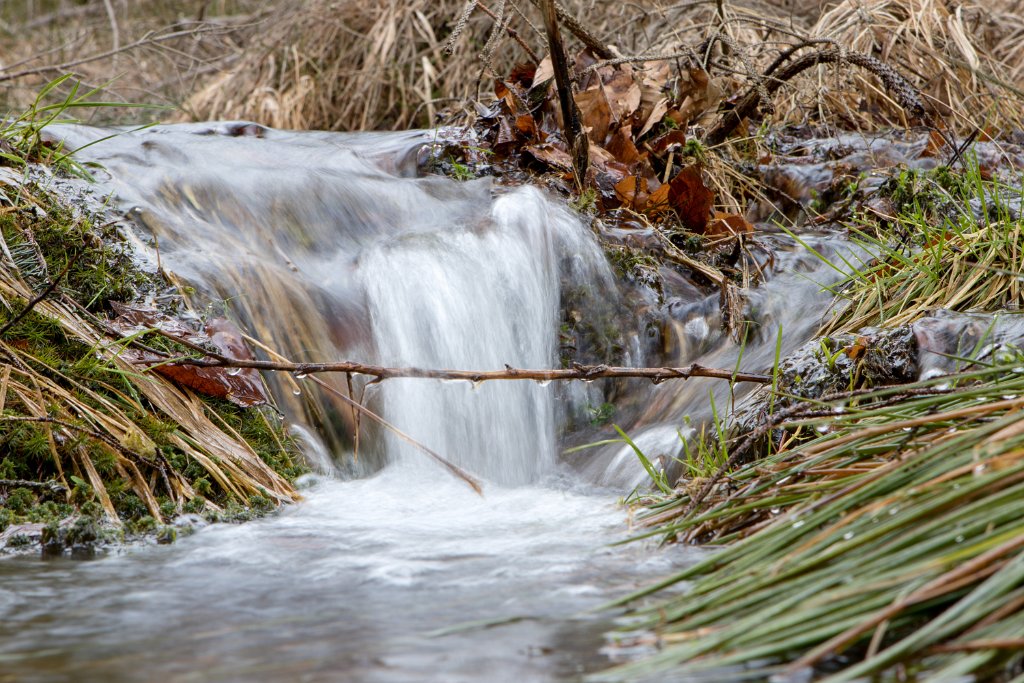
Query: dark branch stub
<point x="572" y="124"/>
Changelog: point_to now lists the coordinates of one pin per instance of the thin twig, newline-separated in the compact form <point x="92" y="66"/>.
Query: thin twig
<point x="906" y="95"/>
<point x="148" y="39"/>
<point x="577" y="29"/>
<point x="577" y="371"/>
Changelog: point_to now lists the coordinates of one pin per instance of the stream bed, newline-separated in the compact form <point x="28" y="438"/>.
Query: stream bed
<point x="368" y="580"/>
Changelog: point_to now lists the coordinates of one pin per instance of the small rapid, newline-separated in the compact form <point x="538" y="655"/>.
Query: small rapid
<point x="328" y="247"/>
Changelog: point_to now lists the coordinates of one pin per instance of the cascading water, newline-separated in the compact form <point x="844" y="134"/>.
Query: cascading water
<point x="328" y="247"/>
<point x="327" y="255"/>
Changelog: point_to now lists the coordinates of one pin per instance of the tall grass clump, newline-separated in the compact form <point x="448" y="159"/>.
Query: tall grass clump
<point x="884" y="534"/>
<point x="955" y="240"/>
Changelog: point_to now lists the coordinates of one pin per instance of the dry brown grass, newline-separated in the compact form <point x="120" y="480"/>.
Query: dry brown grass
<point x="36" y="35"/>
<point x="347" y="65"/>
<point x="85" y="419"/>
<point x="965" y="59"/>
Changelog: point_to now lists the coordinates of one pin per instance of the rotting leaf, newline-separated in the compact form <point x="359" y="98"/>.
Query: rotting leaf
<point x="243" y="387"/>
<point x="687" y="195"/>
<point x="729" y="224"/>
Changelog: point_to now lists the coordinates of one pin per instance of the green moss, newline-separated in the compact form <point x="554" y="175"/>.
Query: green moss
<point x="99" y="270"/>
<point x="20" y="500"/>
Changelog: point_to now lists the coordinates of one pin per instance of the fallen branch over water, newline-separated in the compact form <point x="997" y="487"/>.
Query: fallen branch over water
<point x="577" y="371"/>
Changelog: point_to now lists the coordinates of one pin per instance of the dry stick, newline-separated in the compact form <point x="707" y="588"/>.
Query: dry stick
<point x="578" y="371"/>
<point x="512" y="33"/>
<point x="896" y="84"/>
<point x="572" y="125"/>
<point x="577" y="29"/>
<point x="379" y="372"/>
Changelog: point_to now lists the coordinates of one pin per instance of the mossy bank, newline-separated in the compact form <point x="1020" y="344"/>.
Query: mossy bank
<point x="94" y="446"/>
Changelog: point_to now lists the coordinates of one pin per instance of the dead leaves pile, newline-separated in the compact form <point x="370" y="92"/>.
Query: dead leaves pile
<point x="636" y="120"/>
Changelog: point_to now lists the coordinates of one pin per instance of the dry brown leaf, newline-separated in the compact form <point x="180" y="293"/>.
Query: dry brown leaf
<point x="243" y="387"/>
<point x="596" y="113"/>
<point x="670" y="139"/>
<point x="526" y="126"/>
<point x="545" y="72"/>
<point x="657" y="113"/>
<point x="623" y="94"/>
<point x="936" y="144"/>
<point x="632" y="192"/>
<point x="729" y="224"/>
<point x="699" y="94"/>
<point x="655" y="78"/>
<point x="687" y="196"/>
<point x="621" y="146"/>
<point x="551" y="156"/>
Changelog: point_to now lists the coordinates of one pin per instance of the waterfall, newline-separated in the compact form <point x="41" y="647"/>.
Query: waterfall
<point x="328" y="247"/>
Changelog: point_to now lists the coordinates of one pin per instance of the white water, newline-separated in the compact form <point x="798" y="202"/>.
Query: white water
<point x="325" y="247"/>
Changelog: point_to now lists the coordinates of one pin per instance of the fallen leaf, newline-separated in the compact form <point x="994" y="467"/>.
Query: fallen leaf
<point x="687" y="196"/>
<point x="699" y="94"/>
<point x="729" y="224"/>
<point x="623" y="94"/>
<point x="526" y="126"/>
<point x="936" y="144"/>
<point x="857" y="348"/>
<point x="632" y="191"/>
<point x="551" y="156"/>
<point x="523" y="74"/>
<point x="657" y="113"/>
<point x="595" y="112"/>
<point x="654" y="82"/>
<point x="243" y="387"/>
<point x="545" y="72"/>
<point x="673" y="138"/>
<point x="621" y="146"/>
<point x="505" y="136"/>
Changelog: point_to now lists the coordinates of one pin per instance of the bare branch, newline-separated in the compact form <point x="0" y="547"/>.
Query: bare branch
<point x="577" y="371"/>
<point x="580" y="31"/>
<point x="895" y="83"/>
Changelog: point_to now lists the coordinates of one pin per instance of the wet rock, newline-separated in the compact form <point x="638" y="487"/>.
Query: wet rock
<point x="21" y="537"/>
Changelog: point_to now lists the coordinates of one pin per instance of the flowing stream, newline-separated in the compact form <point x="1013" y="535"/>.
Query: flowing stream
<point x="329" y="247"/>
